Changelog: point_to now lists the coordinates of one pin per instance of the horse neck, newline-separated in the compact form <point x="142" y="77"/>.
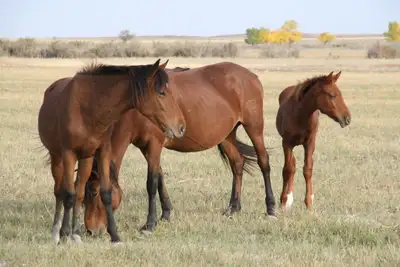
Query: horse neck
<point x="106" y="103"/>
<point x="306" y="107"/>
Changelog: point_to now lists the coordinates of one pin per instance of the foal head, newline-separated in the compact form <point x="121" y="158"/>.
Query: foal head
<point x="328" y="97"/>
<point x="95" y="211"/>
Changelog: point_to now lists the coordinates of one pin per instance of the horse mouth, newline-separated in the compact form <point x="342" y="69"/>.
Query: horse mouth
<point x="345" y="121"/>
<point x="174" y="134"/>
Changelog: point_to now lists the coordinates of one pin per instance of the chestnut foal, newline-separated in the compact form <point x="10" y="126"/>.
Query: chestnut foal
<point x="297" y="124"/>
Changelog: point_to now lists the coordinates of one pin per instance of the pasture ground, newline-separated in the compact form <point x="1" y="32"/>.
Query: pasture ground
<point x="357" y="189"/>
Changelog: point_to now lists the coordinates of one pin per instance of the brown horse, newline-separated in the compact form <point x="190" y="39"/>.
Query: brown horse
<point x="297" y="123"/>
<point x="220" y="97"/>
<point x="75" y="122"/>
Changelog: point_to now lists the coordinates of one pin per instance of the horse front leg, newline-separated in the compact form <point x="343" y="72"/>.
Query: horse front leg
<point x="152" y="152"/>
<point x="309" y="148"/>
<point x="288" y="172"/>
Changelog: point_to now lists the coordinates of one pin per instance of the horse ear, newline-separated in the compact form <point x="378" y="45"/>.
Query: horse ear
<point x="336" y="77"/>
<point x="329" y="77"/>
<point x="154" y="68"/>
<point x="157" y="64"/>
<point x="162" y="66"/>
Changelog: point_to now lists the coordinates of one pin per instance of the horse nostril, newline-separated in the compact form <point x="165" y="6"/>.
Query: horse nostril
<point x="348" y="120"/>
<point x="182" y="129"/>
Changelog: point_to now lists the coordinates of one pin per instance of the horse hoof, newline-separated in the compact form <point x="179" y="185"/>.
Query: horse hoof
<point x="56" y="238"/>
<point x="146" y="232"/>
<point x="76" y="238"/>
<point x="229" y="211"/>
<point x="118" y="243"/>
<point x="272" y="217"/>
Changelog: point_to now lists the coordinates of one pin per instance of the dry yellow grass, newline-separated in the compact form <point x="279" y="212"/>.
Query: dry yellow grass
<point x="357" y="190"/>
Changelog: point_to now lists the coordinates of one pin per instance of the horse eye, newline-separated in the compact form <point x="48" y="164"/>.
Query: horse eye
<point x="162" y="93"/>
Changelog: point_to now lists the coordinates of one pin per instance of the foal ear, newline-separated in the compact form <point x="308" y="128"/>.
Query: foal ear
<point x="162" y="66"/>
<point x="336" y="77"/>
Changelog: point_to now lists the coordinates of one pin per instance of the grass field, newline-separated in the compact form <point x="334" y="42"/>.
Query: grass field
<point x="356" y="185"/>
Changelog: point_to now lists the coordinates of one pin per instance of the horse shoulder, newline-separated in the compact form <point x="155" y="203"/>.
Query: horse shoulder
<point x="285" y="94"/>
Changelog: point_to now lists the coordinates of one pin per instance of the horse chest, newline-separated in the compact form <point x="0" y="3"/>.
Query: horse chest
<point x="297" y="139"/>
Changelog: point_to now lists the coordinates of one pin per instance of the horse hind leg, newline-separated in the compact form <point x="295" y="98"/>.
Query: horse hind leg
<point x="230" y="154"/>
<point x="57" y="173"/>
<point x="68" y="161"/>
<point x="255" y="131"/>
<point x="165" y="200"/>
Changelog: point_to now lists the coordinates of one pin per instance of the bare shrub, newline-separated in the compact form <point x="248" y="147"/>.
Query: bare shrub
<point x="384" y="51"/>
<point x="279" y="51"/>
<point x="24" y="47"/>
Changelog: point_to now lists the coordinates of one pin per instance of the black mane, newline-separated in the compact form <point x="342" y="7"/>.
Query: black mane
<point x="138" y="75"/>
<point x="179" y="69"/>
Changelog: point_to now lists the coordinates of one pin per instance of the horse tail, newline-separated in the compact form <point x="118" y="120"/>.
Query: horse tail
<point x="249" y="154"/>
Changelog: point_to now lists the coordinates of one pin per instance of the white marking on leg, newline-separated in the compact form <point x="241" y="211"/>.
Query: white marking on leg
<point x="55" y="233"/>
<point x="76" y="238"/>
<point x="289" y="201"/>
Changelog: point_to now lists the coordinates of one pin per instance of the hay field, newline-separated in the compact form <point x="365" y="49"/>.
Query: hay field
<point x="356" y="184"/>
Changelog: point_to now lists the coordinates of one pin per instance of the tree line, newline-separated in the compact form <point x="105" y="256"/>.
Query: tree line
<point x="289" y="33"/>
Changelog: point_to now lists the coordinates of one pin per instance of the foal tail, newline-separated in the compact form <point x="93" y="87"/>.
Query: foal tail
<point x="248" y="152"/>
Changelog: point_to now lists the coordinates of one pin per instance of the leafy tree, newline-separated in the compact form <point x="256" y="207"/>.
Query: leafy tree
<point x="326" y="37"/>
<point x="252" y="36"/>
<point x="126" y="35"/>
<point x="290" y="26"/>
<point x="264" y="35"/>
<point x="290" y="33"/>
<point x="393" y="33"/>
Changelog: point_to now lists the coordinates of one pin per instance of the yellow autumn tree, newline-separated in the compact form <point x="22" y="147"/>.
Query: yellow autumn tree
<point x="326" y="37"/>
<point x="393" y="33"/>
<point x="290" y="32"/>
<point x="264" y="35"/>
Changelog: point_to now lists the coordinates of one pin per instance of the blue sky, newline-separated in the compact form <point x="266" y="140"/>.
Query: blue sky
<point x="80" y="18"/>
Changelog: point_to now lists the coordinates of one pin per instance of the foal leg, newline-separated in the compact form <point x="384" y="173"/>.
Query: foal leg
<point x="309" y="148"/>
<point x="84" y="170"/>
<point x="256" y="133"/>
<point x="152" y="154"/>
<point x="104" y="156"/>
<point x="166" y="204"/>
<point x="57" y="172"/>
<point x="69" y="161"/>
<point x="236" y="162"/>
<point x="288" y="177"/>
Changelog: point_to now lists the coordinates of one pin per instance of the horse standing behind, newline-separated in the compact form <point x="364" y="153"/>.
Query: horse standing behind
<point x="75" y="123"/>
<point x="297" y="124"/>
<point x="215" y="100"/>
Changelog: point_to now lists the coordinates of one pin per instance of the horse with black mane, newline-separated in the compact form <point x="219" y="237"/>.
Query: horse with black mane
<point x="75" y="123"/>
<point x="215" y="100"/>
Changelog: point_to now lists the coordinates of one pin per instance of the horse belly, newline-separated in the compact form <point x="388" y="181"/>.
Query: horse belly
<point x="203" y="135"/>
